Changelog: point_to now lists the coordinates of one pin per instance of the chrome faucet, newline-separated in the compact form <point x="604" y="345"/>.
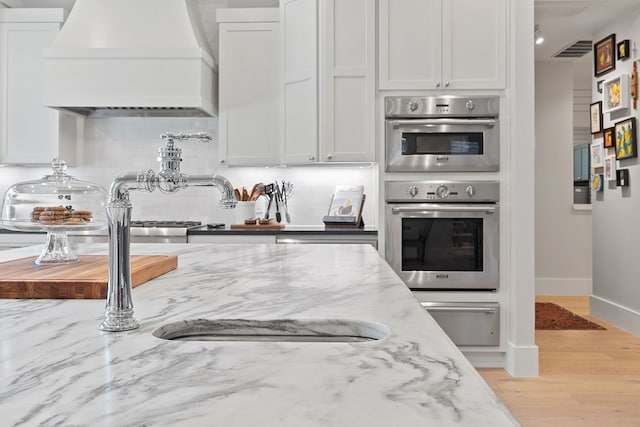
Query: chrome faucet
<point x="119" y="307"/>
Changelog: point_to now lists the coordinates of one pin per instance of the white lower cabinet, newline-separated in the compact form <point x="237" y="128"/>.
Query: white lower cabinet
<point x="30" y="133"/>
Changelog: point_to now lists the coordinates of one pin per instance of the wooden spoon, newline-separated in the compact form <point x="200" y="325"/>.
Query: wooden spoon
<point x="254" y="193"/>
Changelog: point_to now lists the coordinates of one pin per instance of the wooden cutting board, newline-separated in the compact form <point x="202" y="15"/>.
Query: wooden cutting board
<point x="87" y="279"/>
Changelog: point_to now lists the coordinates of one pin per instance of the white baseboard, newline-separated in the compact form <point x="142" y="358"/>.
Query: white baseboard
<point x="522" y="361"/>
<point x="561" y="286"/>
<point x="623" y="317"/>
<point x="485" y="359"/>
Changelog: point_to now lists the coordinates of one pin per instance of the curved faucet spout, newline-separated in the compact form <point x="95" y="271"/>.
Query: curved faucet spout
<point x="228" y="199"/>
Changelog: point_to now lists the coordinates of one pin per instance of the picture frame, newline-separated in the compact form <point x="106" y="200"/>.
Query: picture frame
<point x="596" y="117"/>
<point x="607" y="137"/>
<point x="615" y="93"/>
<point x="597" y="182"/>
<point x="599" y="85"/>
<point x="597" y="154"/>
<point x="622" y="178"/>
<point x="604" y="59"/>
<point x="626" y="138"/>
<point x="610" y="168"/>
<point x="623" y="50"/>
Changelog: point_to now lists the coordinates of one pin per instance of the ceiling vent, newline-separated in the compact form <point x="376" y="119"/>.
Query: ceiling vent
<point x="575" y="50"/>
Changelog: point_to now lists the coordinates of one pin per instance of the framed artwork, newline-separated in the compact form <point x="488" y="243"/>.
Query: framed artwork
<point x="625" y="134"/>
<point x="615" y="93"/>
<point x="599" y="86"/>
<point x="610" y="168"/>
<point x="607" y="137"/>
<point x="596" y="117"/>
<point x="597" y="154"/>
<point x="623" y="50"/>
<point x="597" y="182"/>
<point x="604" y="59"/>
<point x="622" y="178"/>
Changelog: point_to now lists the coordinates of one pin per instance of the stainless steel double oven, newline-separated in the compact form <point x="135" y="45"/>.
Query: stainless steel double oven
<point x="442" y="214"/>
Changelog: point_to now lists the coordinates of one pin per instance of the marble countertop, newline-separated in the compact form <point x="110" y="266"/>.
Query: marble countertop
<point x="58" y="368"/>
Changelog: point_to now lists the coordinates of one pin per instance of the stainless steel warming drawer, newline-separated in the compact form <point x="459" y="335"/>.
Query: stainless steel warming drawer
<point x="468" y="323"/>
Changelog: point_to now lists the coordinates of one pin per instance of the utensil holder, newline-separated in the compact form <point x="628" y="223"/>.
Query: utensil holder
<point x="245" y="210"/>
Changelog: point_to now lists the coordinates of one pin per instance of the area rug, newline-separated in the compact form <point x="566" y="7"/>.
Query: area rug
<point x="550" y="316"/>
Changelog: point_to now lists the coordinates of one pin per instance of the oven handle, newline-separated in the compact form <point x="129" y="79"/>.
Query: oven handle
<point x="420" y="122"/>
<point x="440" y="208"/>
<point x="488" y="310"/>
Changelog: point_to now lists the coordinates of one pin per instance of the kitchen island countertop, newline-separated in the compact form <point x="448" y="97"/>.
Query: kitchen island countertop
<point x="57" y="368"/>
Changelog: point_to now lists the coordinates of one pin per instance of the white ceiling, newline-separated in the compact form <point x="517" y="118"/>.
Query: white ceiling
<point x="564" y="22"/>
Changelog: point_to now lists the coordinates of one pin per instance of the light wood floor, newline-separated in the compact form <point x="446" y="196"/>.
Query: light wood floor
<point x="587" y="378"/>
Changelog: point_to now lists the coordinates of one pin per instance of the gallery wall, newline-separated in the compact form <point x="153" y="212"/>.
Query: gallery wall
<point x="616" y="209"/>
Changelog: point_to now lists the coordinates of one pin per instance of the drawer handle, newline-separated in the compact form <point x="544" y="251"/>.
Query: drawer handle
<point x="487" y="310"/>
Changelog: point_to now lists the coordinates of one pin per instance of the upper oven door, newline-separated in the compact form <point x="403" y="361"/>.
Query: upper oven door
<point x="444" y="246"/>
<point x="414" y="145"/>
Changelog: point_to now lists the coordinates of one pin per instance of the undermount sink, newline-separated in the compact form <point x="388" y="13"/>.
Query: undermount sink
<point x="280" y="330"/>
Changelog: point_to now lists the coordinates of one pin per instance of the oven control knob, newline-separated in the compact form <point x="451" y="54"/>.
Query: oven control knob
<point x="442" y="191"/>
<point x="412" y="105"/>
<point x="470" y="191"/>
<point x="413" y="191"/>
<point x="470" y="105"/>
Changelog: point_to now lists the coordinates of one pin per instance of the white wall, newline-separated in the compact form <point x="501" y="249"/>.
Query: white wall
<point x="616" y="223"/>
<point x="118" y="145"/>
<point x="563" y="235"/>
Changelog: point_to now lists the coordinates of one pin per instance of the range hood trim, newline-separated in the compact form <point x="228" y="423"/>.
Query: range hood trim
<point x="128" y="53"/>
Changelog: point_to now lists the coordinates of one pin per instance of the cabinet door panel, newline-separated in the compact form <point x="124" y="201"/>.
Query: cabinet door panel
<point x="249" y="100"/>
<point x="299" y="23"/>
<point x="474" y="44"/>
<point x="25" y="142"/>
<point x="347" y="96"/>
<point x="410" y="44"/>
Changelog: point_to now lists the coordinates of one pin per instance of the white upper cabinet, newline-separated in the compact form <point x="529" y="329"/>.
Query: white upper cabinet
<point x="329" y="88"/>
<point x="347" y="81"/>
<point x="299" y="19"/>
<point x="30" y="133"/>
<point x="442" y="44"/>
<point x="249" y="87"/>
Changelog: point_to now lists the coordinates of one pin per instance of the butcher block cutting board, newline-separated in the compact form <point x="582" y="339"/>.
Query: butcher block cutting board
<point x="87" y="279"/>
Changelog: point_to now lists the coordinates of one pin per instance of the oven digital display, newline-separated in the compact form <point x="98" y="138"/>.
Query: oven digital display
<point x="468" y="143"/>
<point x="442" y="244"/>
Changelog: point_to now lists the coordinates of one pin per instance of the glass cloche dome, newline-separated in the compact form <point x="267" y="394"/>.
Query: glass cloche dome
<point x="56" y="203"/>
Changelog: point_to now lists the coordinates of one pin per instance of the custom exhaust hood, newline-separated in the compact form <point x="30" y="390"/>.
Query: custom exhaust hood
<point x="131" y="58"/>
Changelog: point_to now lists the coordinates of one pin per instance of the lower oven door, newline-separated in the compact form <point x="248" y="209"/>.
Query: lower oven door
<point x="468" y="323"/>
<point x="444" y="246"/>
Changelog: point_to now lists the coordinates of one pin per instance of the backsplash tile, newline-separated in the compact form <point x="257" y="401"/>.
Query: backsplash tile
<point x="114" y="146"/>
